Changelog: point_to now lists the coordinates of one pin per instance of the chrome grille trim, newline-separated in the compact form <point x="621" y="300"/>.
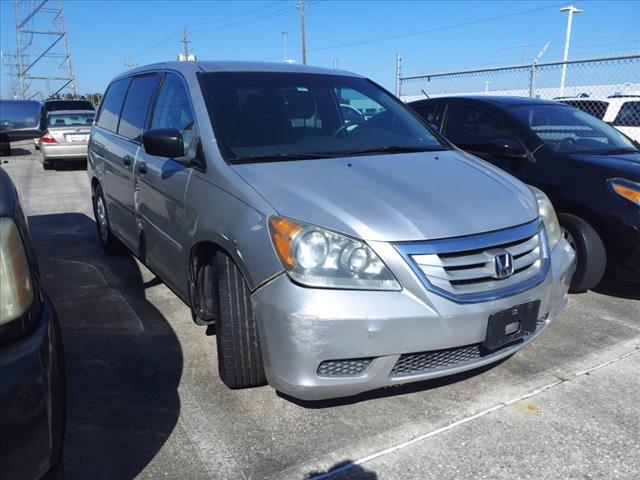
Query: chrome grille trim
<point x="460" y="268"/>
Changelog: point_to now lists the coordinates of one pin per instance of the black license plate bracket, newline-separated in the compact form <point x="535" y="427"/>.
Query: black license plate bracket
<point x="511" y="324"/>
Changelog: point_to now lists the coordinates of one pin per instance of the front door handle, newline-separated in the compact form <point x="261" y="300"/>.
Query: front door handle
<point x="126" y="161"/>
<point x="142" y="169"/>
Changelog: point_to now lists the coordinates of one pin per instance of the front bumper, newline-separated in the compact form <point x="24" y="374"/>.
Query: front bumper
<point x="302" y="327"/>
<point x="63" y="151"/>
<point x="32" y="402"/>
<point x="623" y="241"/>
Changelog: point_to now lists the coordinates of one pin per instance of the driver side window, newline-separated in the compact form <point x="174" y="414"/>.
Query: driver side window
<point x="173" y="109"/>
<point x="473" y="129"/>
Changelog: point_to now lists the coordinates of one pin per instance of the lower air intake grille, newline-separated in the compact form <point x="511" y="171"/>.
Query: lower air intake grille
<point x="344" y="368"/>
<point x="416" y="363"/>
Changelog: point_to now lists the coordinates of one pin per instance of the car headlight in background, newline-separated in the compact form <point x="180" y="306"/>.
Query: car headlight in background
<point x="16" y="292"/>
<point x="626" y="189"/>
<point x="548" y="214"/>
<point x="316" y="257"/>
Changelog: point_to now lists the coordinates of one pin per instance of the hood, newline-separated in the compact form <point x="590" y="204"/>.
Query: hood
<point x="402" y="197"/>
<point x="626" y="165"/>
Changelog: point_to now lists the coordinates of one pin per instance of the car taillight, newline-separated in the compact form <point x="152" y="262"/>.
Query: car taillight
<point x="47" y="138"/>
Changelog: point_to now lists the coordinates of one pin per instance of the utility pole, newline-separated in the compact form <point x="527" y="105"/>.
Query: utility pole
<point x="571" y="9"/>
<point x="130" y="63"/>
<point x="398" y="75"/>
<point x="304" y="41"/>
<point x="185" y="56"/>
<point x="523" y="48"/>
<point x="335" y="63"/>
<point x="285" y="37"/>
<point x="534" y="64"/>
<point x="185" y="42"/>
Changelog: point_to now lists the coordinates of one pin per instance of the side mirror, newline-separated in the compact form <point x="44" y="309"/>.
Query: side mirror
<point x="163" y="142"/>
<point x="505" y="147"/>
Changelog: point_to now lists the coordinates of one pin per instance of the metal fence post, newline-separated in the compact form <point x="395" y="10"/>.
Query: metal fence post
<point x="532" y="81"/>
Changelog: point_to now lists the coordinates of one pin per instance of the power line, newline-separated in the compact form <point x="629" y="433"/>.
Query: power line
<point x="246" y="12"/>
<point x="433" y="30"/>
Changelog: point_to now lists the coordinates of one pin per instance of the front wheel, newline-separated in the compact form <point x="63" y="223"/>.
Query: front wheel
<point x="239" y="353"/>
<point x="591" y="255"/>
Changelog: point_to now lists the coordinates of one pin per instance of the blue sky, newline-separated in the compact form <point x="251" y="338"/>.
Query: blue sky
<point x="363" y="36"/>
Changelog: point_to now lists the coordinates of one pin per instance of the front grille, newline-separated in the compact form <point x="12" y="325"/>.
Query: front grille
<point x="464" y="267"/>
<point x="416" y="363"/>
<point x="344" y="368"/>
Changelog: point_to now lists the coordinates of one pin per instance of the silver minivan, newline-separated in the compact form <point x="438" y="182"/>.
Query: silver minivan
<point x="334" y="254"/>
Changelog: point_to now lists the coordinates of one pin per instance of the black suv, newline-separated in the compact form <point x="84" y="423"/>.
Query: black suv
<point x="589" y="170"/>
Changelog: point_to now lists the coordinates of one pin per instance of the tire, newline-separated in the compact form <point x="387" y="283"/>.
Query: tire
<point x="591" y="255"/>
<point x="46" y="164"/>
<point x="239" y="353"/>
<point x="6" y="152"/>
<point x="109" y="243"/>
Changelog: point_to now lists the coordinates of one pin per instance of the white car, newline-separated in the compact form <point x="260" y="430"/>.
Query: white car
<point x="620" y="111"/>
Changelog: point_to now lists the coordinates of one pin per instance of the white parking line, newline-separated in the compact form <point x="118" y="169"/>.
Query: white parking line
<point x="457" y="423"/>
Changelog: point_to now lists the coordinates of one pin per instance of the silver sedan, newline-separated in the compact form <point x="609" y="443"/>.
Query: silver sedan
<point x="66" y="136"/>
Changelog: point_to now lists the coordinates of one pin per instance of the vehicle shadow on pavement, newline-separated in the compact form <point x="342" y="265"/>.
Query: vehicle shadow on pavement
<point x="124" y="361"/>
<point x="345" y="470"/>
<point x="15" y="151"/>
<point x="618" y="288"/>
<point x="391" y="391"/>
<point x="69" y="165"/>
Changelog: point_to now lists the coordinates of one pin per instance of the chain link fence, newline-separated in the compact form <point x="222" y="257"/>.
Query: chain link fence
<point x="608" y="88"/>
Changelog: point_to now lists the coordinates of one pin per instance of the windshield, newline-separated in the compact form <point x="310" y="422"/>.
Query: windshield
<point x="276" y="116"/>
<point x="70" y="119"/>
<point x="568" y="130"/>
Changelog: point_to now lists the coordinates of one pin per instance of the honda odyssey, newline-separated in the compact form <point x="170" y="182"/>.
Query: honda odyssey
<point x="333" y="255"/>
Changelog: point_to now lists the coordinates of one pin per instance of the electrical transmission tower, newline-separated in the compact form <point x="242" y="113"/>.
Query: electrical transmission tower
<point x="42" y="66"/>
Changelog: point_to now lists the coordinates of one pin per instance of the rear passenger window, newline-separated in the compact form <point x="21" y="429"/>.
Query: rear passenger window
<point x="173" y="109"/>
<point x="111" y="105"/>
<point x="136" y="106"/>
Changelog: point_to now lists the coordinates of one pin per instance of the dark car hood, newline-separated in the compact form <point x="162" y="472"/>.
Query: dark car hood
<point x="414" y="196"/>
<point x="624" y="165"/>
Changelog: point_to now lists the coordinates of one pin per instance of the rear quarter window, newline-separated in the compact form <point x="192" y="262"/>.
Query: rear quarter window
<point x="112" y="104"/>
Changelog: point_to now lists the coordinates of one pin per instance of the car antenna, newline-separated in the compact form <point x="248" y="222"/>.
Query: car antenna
<point x="425" y="93"/>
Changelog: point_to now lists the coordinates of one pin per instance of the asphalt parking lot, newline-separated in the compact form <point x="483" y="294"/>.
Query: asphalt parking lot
<point x="145" y="400"/>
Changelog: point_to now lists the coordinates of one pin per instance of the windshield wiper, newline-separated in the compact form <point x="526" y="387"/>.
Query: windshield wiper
<point x="278" y="157"/>
<point x="393" y="149"/>
<point x="618" y="151"/>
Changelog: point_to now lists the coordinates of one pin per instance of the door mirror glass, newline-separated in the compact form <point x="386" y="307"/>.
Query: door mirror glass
<point x="506" y="147"/>
<point x="20" y="119"/>
<point x="163" y="142"/>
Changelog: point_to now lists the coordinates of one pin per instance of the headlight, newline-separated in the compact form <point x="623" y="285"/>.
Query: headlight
<point x="626" y="189"/>
<point x="548" y="214"/>
<point x="317" y="257"/>
<point x="16" y="292"/>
